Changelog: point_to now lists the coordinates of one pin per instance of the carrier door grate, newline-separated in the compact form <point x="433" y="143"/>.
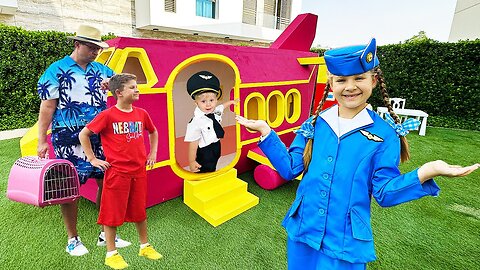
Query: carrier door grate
<point x="60" y="182"/>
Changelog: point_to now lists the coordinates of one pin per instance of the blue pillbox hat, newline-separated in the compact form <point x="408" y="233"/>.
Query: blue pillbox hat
<point x="352" y="60"/>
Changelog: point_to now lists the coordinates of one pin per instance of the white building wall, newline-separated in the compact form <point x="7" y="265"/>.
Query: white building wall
<point x="140" y="17"/>
<point x="8" y="6"/>
<point x="466" y="21"/>
<point x="150" y="14"/>
<point x="60" y="15"/>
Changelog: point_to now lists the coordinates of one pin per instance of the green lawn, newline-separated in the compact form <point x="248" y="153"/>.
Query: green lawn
<point x="431" y="233"/>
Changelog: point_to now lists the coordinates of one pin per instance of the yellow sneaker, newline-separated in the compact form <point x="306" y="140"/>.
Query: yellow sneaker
<point x="150" y="253"/>
<point x="116" y="262"/>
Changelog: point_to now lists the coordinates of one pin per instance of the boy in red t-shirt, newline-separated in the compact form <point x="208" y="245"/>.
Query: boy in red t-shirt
<point x="124" y="193"/>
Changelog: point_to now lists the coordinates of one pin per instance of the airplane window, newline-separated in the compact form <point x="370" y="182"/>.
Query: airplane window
<point x="255" y="106"/>
<point x="104" y="56"/>
<point x="275" y="111"/>
<point x="133" y="66"/>
<point x="292" y="105"/>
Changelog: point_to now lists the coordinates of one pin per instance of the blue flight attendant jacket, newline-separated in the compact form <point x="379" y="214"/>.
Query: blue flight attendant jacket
<point x="331" y="211"/>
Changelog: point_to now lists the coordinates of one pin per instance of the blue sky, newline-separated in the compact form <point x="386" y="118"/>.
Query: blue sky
<point x="350" y="22"/>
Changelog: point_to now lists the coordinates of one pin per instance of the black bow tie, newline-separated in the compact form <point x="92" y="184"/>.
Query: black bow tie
<point x="216" y="126"/>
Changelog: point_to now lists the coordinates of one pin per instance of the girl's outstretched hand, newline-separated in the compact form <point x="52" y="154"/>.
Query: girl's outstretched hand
<point x="441" y="168"/>
<point x="256" y="125"/>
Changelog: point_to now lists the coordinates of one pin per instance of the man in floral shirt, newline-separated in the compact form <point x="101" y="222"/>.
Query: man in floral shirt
<point x="73" y="91"/>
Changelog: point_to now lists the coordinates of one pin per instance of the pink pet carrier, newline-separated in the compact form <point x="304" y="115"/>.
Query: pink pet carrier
<point x="43" y="182"/>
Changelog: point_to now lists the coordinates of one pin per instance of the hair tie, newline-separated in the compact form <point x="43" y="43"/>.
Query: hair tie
<point x="402" y="129"/>
<point x="306" y="129"/>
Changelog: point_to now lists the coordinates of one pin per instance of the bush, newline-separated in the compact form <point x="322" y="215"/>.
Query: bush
<point x="439" y="78"/>
<point x="25" y="55"/>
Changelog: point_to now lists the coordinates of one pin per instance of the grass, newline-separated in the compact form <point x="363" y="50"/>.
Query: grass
<point x="431" y="233"/>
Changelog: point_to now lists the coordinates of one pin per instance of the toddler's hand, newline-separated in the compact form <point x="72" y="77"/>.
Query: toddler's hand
<point x="194" y="166"/>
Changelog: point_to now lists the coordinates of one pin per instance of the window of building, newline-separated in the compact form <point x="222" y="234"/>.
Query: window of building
<point x="277" y="13"/>
<point x="282" y="15"/>
<point x="275" y="112"/>
<point x="170" y="6"/>
<point x="249" y="12"/>
<point x="292" y="105"/>
<point x="206" y="8"/>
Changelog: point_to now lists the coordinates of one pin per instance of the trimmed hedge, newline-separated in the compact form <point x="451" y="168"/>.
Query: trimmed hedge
<point x="442" y="79"/>
<point x="24" y="56"/>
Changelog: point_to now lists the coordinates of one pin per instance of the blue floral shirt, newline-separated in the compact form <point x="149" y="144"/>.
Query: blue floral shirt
<point x="77" y="90"/>
<point x="79" y="101"/>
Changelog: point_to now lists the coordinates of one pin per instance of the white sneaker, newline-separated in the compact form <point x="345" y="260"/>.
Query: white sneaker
<point x="75" y="247"/>
<point x="119" y="243"/>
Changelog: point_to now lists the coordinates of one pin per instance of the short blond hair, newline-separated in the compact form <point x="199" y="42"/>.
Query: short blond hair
<point x="118" y="81"/>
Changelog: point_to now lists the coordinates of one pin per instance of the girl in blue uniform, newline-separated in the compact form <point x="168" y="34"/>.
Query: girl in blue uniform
<point x="348" y="154"/>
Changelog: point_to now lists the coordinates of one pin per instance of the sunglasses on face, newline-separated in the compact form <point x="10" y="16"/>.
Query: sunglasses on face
<point x="91" y="47"/>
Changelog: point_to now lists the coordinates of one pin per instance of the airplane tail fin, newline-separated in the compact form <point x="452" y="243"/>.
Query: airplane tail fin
<point x="299" y="34"/>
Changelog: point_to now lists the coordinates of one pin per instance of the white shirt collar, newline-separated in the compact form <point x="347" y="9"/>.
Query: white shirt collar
<point x="198" y="112"/>
<point x="331" y="117"/>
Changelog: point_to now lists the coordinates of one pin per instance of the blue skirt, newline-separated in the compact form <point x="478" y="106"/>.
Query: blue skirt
<point x="302" y="257"/>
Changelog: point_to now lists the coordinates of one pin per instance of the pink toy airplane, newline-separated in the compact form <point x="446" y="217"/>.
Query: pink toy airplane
<point x="276" y="84"/>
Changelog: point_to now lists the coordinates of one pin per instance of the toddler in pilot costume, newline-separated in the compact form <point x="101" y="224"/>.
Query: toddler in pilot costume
<point x="204" y="131"/>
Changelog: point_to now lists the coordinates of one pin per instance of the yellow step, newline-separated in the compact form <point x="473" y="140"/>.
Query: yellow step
<point x="230" y="208"/>
<point x="219" y="198"/>
<point x="200" y="185"/>
<point x="216" y="195"/>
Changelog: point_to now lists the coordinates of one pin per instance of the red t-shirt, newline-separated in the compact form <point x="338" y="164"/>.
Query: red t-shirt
<point x="123" y="138"/>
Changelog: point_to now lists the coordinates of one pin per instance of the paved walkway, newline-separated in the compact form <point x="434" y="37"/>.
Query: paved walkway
<point x="10" y="134"/>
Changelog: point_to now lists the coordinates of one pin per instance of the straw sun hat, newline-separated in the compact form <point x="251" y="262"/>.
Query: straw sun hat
<point x="89" y="34"/>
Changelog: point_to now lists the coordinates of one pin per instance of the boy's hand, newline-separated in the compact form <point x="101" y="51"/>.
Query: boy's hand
<point x="101" y="164"/>
<point x="151" y="160"/>
<point x="256" y="125"/>
<point x="194" y="166"/>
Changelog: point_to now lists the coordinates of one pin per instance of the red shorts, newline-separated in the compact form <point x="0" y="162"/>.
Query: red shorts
<point x="124" y="198"/>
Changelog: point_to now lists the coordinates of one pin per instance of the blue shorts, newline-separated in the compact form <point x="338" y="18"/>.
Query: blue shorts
<point x="67" y="146"/>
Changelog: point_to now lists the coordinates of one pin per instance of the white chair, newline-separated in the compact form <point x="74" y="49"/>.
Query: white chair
<point x="397" y="103"/>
